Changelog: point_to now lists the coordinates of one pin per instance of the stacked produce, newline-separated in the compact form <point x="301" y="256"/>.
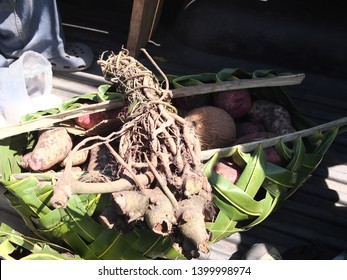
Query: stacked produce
<point x="234" y="117"/>
<point x="151" y="164"/>
<point x="151" y="161"/>
<point x="174" y="170"/>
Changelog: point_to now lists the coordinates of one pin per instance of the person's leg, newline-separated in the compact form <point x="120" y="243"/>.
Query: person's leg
<point x="35" y="25"/>
<point x="30" y="25"/>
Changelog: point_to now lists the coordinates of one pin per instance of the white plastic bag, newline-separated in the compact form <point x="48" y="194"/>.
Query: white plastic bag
<point x="23" y="87"/>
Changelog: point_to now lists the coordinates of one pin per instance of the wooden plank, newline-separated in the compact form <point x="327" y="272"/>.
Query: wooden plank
<point x="145" y="14"/>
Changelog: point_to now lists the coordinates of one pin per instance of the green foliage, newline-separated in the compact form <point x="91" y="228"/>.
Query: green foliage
<point x="76" y="227"/>
<point x="104" y="93"/>
<point x="13" y="243"/>
<point x="262" y="187"/>
<point x="11" y="150"/>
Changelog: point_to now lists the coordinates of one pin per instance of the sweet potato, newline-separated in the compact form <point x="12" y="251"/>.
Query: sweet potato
<point x="228" y="170"/>
<point x="274" y="117"/>
<point x="270" y="152"/>
<point x="236" y="102"/>
<point x="79" y="158"/>
<point x="272" y="156"/>
<point x="246" y="128"/>
<point x="90" y="120"/>
<point x="256" y="136"/>
<point x="52" y="147"/>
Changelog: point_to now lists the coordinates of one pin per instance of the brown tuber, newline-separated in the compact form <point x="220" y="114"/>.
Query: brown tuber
<point x="149" y="205"/>
<point x="191" y="224"/>
<point x="79" y="158"/>
<point x="52" y="147"/>
<point x="274" y="117"/>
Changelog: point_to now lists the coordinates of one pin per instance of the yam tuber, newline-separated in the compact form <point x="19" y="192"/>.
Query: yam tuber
<point x="149" y="205"/>
<point x="191" y="224"/>
<point x="274" y="117"/>
<point x="272" y="156"/>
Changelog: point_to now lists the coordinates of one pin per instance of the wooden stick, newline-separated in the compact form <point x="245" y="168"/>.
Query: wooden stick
<point x="248" y="147"/>
<point x="50" y="120"/>
<point x="286" y="80"/>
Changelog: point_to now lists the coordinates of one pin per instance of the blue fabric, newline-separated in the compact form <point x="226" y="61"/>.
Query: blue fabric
<point x="30" y="25"/>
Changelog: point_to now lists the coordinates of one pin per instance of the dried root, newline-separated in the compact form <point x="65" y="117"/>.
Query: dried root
<point x="157" y="153"/>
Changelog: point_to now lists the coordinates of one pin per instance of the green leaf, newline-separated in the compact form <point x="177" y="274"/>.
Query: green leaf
<point x="229" y="74"/>
<point x="263" y="73"/>
<point x="235" y="196"/>
<point x="298" y="157"/>
<point x="280" y="175"/>
<point x="74" y="241"/>
<point x="193" y="80"/>
<point x="82" y="223"/>
<point x="253" y="175"/>
<point x="151" y="245"/>
<point x="6" y="248"/>
<point x="103" y="94"/>
<point x="275" y="189"/>
<point x="232" y="212"/>
<point x="36" y="115"/>
<point x="209" y="165"/>
<point x="283" y="150"/>
<point x="269" y="204"/>
<point x="103" y="89"/>
<point x="110" y="245"/>
<point x="222" y="227"/>
<point x="185" y="83"/>
<point x="328" y="139"/>
<point x="11" y="150"/>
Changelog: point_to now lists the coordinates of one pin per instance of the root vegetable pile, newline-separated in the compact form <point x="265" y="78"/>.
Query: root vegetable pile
<point x="156" y="158"/>
<point x="149" y="157"/>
